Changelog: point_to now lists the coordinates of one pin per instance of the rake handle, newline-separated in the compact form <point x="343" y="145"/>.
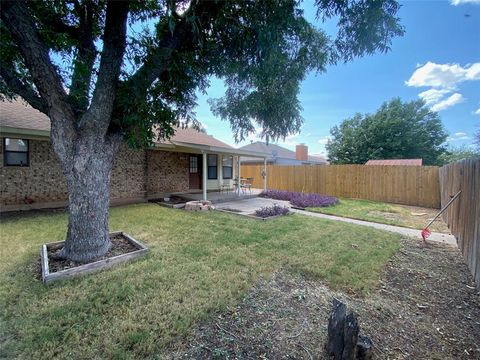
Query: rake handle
<point x="443" y="209"/>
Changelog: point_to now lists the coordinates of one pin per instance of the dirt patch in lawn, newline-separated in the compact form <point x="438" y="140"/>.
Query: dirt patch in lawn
<point x="384" y="214"/>
<point x="120" y="245"/>
<point x="426" y="307"/>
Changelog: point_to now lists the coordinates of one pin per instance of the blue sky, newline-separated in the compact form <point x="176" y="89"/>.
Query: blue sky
<point x="439" y="58"/>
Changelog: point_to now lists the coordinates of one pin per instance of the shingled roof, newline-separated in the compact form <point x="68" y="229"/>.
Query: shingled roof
<point x="18" y="114"/>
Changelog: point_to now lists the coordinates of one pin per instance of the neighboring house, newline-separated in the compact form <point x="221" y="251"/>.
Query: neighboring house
<point x="414" y="162"/>
<point x="281" y="156"/>
<point x="31" y="174"/>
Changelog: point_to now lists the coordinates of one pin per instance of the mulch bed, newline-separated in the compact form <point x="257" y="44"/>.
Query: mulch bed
<point x="426" y="307"/>
<point x="120" y="245"/>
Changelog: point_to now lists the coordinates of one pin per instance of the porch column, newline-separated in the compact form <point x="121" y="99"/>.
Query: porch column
<point x="204" y="175"/>
<point x="238" y="175"/>
<point x="264" y="174"/>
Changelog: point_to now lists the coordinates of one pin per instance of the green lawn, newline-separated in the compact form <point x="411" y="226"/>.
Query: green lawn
<point x="392" y="214"/>
<point x="198" y="263"/>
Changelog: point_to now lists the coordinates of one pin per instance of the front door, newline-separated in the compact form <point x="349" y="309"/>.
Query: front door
<point x="195" y="171"/>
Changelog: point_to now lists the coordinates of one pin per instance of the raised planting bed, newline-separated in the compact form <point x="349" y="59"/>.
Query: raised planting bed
<point x="124" y="248"/>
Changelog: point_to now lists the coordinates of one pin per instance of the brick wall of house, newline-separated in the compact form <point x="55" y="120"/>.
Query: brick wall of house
<point x="42" y="181"/>
<point x="131" y="178"/>
<point x="166" y="172"/>
<point x="127" y="180"/>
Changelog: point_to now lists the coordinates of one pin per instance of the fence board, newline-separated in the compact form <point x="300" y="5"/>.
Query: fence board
<point x="463" y="216"/>
<point x="409" y="185"/>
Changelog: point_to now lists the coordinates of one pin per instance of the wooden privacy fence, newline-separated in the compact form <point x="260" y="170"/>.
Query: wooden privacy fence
<point x="409" y="185"/>
<point x="463" y="216"/>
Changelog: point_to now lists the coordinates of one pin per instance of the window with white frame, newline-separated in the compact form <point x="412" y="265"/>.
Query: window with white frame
<point x="15" y="152"/>
<point x="212" y="166"/>
<point x="227" y="167"/>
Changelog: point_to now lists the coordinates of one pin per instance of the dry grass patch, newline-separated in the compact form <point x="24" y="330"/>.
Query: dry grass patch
<point x="199" y="263"/>
<point x="391" y="214"/>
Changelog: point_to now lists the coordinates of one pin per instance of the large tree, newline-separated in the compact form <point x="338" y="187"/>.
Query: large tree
<point x="111" y="71"/>
<point x="398" y="130"/>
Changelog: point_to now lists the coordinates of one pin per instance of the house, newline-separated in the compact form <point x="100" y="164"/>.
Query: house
<point x="397" y="162"/>
<point x="280" y="156"/>
<point x="31" y="176"/>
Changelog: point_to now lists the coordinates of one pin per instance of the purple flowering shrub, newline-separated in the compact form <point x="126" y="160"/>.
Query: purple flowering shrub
<point x="301" y="200"/>
<point x="274" y="210"/>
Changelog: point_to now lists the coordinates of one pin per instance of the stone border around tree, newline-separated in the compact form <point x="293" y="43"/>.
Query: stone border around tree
<point x="48" y="277"/>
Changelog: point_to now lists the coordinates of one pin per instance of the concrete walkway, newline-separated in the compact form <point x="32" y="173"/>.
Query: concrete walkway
<point x="435" y="237"/>
<point x="248" y="206"/>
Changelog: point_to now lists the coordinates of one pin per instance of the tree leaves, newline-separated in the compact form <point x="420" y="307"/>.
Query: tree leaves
<point x="396" y="131"/>
<point x="262" y="49"/>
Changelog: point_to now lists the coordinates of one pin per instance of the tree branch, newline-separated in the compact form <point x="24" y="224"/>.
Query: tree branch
<point x="158" y="61"/>
<point x="19" y="22"/>
<point x="22" y="89"/>
<point x="98" y="115"/>
<point x="85" y="58"/>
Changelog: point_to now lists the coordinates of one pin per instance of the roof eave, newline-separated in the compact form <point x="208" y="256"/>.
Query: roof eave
<point x="27" y="133"/>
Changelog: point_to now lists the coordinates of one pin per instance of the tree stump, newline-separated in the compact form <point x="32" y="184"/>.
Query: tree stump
<point x="364" y="348"/>
<point x="344" y="342"/>
<point x="350" y="337"/>
<point x="336" y="324"/>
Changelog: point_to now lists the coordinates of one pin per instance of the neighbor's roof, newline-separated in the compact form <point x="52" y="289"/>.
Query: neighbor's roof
<point x="276" y="151"/>
<point x="17" y="117"/>
<point x="415" y="162"/>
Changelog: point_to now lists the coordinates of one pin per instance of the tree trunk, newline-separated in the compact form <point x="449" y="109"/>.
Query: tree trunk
<point x="88" y="182"/>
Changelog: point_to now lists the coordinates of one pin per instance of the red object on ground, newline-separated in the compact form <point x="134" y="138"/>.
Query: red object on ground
<point x="426" y="233"/>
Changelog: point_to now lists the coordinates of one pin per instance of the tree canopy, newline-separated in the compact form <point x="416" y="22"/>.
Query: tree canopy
<point x="169" y="49"/>
<point x="398" y="130"/>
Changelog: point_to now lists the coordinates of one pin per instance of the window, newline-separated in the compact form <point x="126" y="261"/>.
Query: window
<point x="227" y="168"/>
<point x="15" y="152"/>
<point x="212" y="166"/>
<point x="193" y="164"/>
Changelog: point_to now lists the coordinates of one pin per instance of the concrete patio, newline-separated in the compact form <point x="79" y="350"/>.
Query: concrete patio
<point x="217" y="197"/>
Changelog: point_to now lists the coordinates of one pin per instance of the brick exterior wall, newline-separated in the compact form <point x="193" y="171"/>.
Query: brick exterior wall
<point x="42" y="181"/>
<point x="135" y="174"/>
<point x="166" y="172"/>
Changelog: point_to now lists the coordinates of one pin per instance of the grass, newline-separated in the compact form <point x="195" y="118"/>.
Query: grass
<point x="384" y="213"/>
<point x="198" y="263"/>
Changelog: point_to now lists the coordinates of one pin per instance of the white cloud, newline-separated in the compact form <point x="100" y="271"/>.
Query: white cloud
<point x="324" y="140"/>
<point x="477" y="112"/>
<point x="443" y="75"/>
<point x="448" y="102"/>
<point x="460" y="2"/>
<point x="443" y="79"/>
<point x="458" y="136"/>
<point x="433" y="96"/>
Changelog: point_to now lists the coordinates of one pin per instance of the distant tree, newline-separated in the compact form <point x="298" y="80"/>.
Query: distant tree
<point x="397" y="130"/>
<point x="106" y="72"/>
<point x="477" y="140"/>
<point x="459" y="153"/>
